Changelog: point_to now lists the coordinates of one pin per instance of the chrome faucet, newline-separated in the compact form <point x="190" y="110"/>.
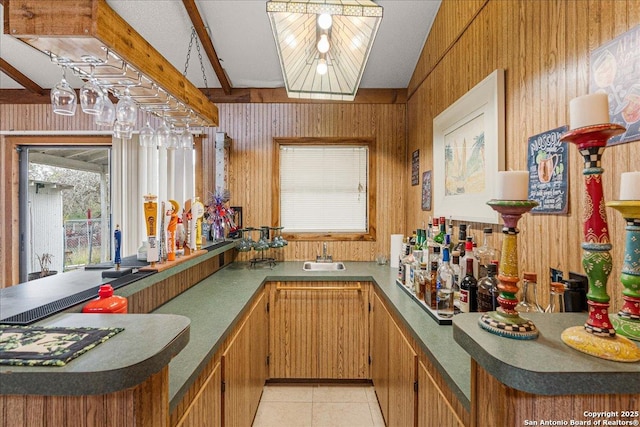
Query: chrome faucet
<point x="324" y="257"/>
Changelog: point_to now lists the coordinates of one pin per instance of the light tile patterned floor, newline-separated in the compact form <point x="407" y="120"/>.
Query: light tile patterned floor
<point x="318" y="405"/>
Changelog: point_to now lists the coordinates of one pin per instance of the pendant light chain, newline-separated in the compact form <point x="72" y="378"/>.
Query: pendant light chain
<point x="194" y="36"/>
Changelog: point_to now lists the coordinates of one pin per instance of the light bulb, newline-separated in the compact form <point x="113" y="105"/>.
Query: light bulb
<point x="323" y="44"/>
<point x="322" y="67"/>
<point x="324" y="21"/>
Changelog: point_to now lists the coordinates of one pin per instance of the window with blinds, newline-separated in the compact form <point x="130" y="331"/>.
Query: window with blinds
<point x="324" y="189"/>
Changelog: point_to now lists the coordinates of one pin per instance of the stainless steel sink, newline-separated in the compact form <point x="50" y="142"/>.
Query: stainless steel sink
<point x="323" y="266"/>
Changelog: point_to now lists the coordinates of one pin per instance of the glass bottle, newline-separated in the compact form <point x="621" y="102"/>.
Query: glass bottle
<point x="439" y="238"/>
<point x="556" y="298"/>
<point x="486" y="253"/>
<point x="488" y="290"/>
<point x="469" y="290"/>
<point x="430" y="293"/>
<point x="435" y="255"/>
<point x="455" y="265"/>
<point x="462" y="240"/>
<point x="404" y="259"/>
<point x="445" y="286"/>
<point x="468" y="254"/>
<point x="529" y="300"/>
<point x="412" y="266"/>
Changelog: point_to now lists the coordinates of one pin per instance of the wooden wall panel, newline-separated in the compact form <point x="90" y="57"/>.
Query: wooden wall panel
<point x="544" y="48"/>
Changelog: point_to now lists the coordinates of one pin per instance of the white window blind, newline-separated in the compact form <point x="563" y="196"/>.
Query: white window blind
<point x="324" y="188"/>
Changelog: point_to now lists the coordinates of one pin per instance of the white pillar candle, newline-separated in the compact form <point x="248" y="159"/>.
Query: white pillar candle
<point x="630" y="186"/>
<point x="588" y="110"/>
<point x="512" y="185"/>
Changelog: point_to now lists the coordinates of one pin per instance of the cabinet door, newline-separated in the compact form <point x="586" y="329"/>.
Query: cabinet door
<point x="319" y="330"/>
<point x="206" y="408"/>
<point x="244" y="369"/>
<point x="402" y="378"/>
<point x="379" y="339"/>
<point x="433" y="408"/>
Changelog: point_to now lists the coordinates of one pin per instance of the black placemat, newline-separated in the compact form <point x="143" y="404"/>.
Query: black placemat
<point x="48" y="345"/>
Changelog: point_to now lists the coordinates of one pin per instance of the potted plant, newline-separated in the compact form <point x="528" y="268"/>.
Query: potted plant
<point x="45" y="264"/>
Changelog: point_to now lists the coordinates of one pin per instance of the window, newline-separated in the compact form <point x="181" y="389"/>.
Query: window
<point x="325" y="188"/>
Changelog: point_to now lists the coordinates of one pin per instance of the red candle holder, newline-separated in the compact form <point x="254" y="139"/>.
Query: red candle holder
<point x="598" y="336"/>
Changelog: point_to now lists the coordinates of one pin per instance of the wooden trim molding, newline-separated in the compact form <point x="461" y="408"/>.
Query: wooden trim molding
<point x="370" y="235"/>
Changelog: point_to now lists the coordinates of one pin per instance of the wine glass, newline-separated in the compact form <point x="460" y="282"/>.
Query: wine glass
<point x="186" y="139"/>
<point x="122" y="130"/>
<point x="127" y="110"/>
<point x="163" y="135"/>
<point x="91" y="97"/>
<point x="147" y="134"/>
<point x="107" y="113"/>
<point x="243" y="244"/>
<point x="63" y="97"/>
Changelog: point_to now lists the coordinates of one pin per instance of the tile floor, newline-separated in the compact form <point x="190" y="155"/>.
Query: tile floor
<point x="318" y="405"/>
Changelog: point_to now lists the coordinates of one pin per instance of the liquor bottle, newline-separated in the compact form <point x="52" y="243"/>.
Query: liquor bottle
<point x="413" y="264"/>
<point x="556" y="298"/>
<point x="488" y="290"/>
<point x="404" y="258"/>
<point x="462" y="240"/>
<point x="469" y="290"/>
<point x="455" y="265"/>
<point x="430" y="293"/>
<point x="435" y="230"/>
<point x="468" y="254"/>
<point x="435" y="255"/>
<point x="445" y="286"/>
<point x="486" y="253"/>
<point x="439" y="238"/>
<point x="529" y="301"/>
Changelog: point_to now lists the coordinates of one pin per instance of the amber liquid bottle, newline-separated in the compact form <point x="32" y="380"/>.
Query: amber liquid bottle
<point x="488" y="290"/>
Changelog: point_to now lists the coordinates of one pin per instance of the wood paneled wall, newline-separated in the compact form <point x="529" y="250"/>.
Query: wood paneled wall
<point x="544" y="48"/>
<point x="253" y="127"/>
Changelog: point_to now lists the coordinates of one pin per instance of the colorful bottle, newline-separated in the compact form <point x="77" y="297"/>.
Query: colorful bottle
<point x="469" y="290"/>
<point x="430" y="293"/>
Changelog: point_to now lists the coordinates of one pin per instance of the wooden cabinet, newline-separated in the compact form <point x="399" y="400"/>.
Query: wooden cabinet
<point x="244" y="367"/>
<point x="319" y="330"/>
<point x="205" y="409"/>
<point x="433" y="408"/>
<point x="393" y="367"/>
<point x="402" y="379"/>
<point x="379" y="338"/>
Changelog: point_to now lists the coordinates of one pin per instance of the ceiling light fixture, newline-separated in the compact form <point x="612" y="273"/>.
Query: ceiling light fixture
<point x="323" y="62"/>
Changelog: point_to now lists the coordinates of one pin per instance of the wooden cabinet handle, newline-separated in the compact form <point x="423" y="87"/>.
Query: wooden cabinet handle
<point x="357" y="287"/>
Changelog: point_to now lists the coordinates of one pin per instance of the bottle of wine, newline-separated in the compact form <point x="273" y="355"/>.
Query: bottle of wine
<point x="469" y="290"/>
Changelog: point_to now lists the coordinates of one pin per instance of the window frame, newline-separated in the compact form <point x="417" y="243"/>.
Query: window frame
<point x="370" y="143"/>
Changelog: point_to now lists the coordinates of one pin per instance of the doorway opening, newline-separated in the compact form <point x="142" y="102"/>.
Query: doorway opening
<point x="64" y="208"/>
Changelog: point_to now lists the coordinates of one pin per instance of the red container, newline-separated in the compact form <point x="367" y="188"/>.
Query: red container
<point x="106" y="302"/>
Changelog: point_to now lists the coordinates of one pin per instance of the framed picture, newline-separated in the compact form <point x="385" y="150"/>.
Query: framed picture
<point x="614" y="70"/>
<point x="468" y="152"/>
<point x="237" y="216"/>
<point x="415" y="167"/>
<point x="548" y="164"/>
<point x="426" y="191"/>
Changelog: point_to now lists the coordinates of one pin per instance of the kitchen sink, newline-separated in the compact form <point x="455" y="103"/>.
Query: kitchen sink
<point x="323" y="266"/>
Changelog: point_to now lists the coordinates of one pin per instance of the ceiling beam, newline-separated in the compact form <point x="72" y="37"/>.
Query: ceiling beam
<point x="64" y="162"/>
<point x="20" y="78"/>
<point x="207" y="44"/>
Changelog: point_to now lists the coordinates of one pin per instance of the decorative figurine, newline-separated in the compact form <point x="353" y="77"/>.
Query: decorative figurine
<point x="172" y="213"/>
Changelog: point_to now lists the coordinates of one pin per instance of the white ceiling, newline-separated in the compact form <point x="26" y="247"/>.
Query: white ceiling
<point x="242" y="37"/>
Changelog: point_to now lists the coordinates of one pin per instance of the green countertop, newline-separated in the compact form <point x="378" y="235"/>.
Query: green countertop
<point x="216" y="304"/>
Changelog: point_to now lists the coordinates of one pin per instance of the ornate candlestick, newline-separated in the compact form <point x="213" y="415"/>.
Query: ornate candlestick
<point x="597" y="337"/>
<point x="627" y="321"/>
<point x="506" y="321"/>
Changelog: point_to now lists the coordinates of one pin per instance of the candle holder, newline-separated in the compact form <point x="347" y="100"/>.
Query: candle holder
<point x="506" y="321"/>
<point x="597" y="337"/>
<point x="627" y="321"/>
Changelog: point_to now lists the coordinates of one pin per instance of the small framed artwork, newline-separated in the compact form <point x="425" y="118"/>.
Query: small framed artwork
<point x="426" y="191"/>
<point x="468" y="152"/>
<point x="548" y="164"/>
<point x="237" y="216"/>
<point x="415" y="167"/>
